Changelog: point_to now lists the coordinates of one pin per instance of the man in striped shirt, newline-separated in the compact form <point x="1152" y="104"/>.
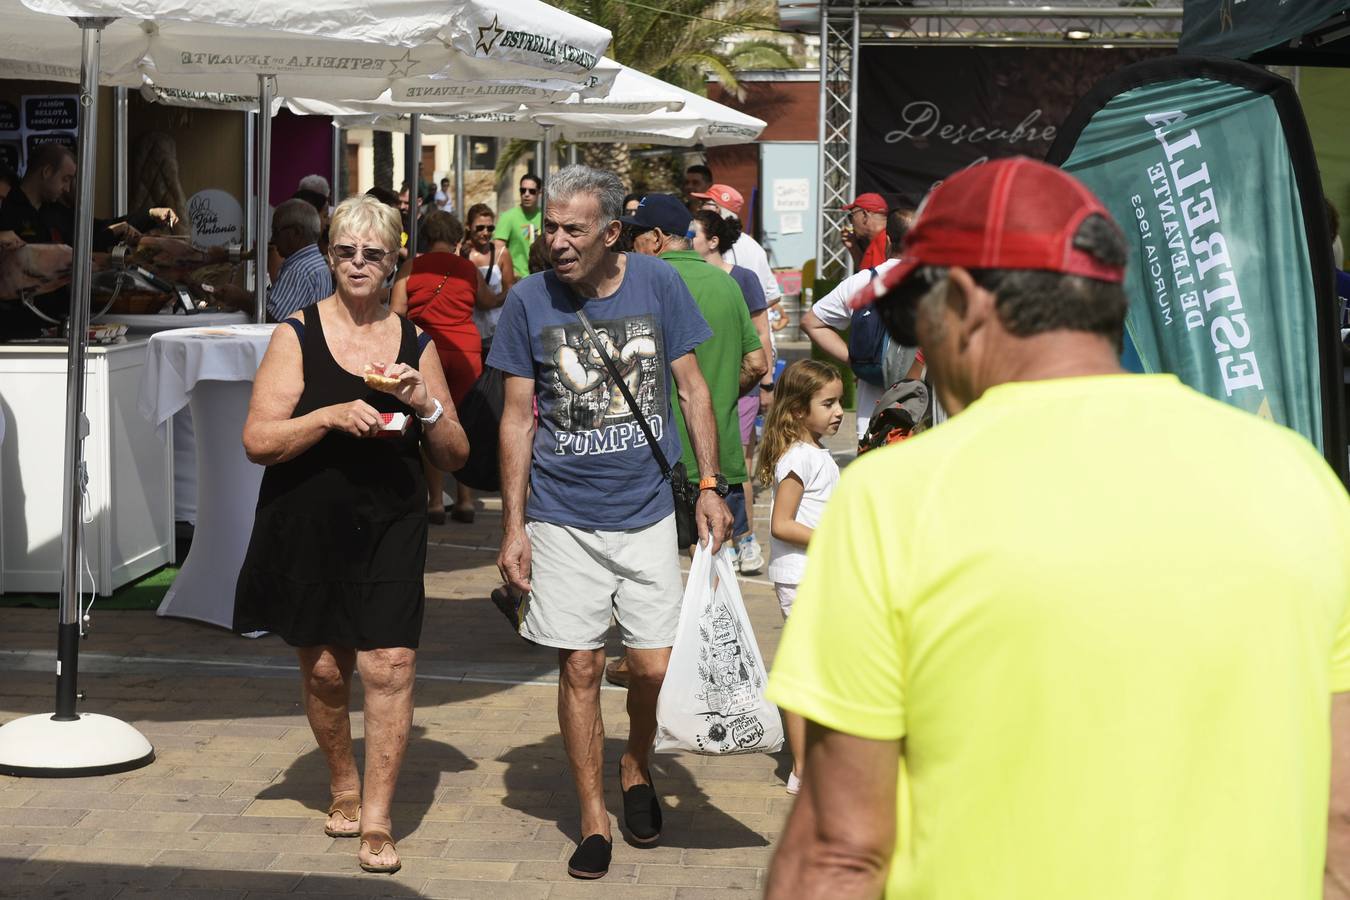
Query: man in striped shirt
<point x="304" y="276"/>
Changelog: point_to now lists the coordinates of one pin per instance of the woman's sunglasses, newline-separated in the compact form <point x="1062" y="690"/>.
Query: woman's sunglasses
<point x="369" y="254"/>
<point x="482" y="228"/>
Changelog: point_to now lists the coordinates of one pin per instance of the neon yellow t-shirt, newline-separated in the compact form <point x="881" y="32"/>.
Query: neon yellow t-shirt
<point x="1106" y="615"/>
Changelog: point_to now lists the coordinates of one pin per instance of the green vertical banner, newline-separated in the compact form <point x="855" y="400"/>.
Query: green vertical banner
<point x="1208" y="168"/>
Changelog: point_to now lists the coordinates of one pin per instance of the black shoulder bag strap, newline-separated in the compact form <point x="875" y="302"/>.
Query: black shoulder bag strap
<point x="666" y="471"/>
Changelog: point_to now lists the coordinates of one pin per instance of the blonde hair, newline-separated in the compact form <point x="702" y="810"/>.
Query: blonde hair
<point x="791" y="401"/>
<point x="363" y="213"/>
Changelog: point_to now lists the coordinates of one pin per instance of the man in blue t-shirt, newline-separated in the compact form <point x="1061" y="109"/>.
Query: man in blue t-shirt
<point x="597" y="536"/>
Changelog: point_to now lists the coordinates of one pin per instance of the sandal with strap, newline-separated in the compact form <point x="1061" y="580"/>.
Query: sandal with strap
<point x="348" y="805"/>
<point x="376" y="841"/>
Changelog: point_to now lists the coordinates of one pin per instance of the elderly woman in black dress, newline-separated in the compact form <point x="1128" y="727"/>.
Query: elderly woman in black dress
<point x="338" y="550"/>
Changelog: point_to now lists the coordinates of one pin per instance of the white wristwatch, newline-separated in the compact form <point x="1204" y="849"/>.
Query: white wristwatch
<point x="434" y="417"/>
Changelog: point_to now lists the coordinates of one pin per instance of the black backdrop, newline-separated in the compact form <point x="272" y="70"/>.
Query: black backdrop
<point x="926" y="112"/>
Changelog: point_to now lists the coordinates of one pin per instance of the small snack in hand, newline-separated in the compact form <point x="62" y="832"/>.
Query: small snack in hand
<point x="377" y="379"/>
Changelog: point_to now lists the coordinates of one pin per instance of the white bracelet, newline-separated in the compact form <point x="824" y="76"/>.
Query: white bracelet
<point x="434" y="417"/>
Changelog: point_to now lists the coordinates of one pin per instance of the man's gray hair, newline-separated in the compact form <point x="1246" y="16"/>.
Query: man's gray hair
<point x="299" y="213"/>
<point x="605" y="187"/>
<point x="316" y="183"/>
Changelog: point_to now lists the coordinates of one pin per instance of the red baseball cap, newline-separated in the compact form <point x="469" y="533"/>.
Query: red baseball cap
<point x="725" y="196"/>
<point x="870" y="202"/>
<point x="1013" y="213"/>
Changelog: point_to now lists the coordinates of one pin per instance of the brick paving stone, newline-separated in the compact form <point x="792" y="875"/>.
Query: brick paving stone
<point x="12" y="853"/>
<point x="21" y="834"/>
<point x="152" y="784"/>
<point x="51" y="817"/>
<point x="281" y="808"/>
<point x="244" y="824"/>
<point x="619" y="872"/>
<point x="699" y="876"/>
<point x="513" y="833"/>
<point x="145" y="821"/>
<point x="357" y="884"/>
<point x="139" y="840"/>
<point x="227" y="842"/>
<point x="174" y="893"/>
<point x="102" y="856"/>
<point x="242" y="878"/>
<point x="177" y="803"/>
<point x="446" y="889"/>
<point x="232" y="774"/>
<point x="12" y="796"/>
<point x="505" y="850"/>
<point x="605" y="889"/>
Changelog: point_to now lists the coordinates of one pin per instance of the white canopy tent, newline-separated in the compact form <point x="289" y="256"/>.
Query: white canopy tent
<point x="337" y="50"/>
<point x="355" y="50"/>
<point x="638" y="109"/>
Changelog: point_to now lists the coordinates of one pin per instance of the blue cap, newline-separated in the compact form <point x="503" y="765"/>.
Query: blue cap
<point x="664" y="211"/>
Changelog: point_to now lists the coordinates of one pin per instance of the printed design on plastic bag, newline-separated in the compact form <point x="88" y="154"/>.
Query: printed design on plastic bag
<point x="730" y="684"/>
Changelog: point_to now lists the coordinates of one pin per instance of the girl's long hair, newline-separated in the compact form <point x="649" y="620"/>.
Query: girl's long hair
<point x="791" y="401"/>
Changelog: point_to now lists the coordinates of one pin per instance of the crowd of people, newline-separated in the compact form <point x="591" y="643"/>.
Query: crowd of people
<point x="1038" y="652"/>
<point x="1022" y="638"/>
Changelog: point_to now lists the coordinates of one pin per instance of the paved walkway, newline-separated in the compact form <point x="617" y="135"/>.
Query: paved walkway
<point x="233" y="805"/>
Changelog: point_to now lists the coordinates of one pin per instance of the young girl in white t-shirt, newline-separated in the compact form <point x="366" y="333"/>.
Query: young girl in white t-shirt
<point x="806" y="408"/>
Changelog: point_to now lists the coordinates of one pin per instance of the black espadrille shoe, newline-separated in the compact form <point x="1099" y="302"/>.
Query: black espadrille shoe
<point x="642" y="813"/>
<point x="591" y="859"/>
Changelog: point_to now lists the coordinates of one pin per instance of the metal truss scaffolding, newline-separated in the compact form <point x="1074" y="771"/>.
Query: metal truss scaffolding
<point x="838" y="136"/>
<point x="845" y="25"/>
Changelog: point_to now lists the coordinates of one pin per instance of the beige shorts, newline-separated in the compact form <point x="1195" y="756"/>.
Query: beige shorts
<point x="786" y="593"/>
<point x="583" y="578"/>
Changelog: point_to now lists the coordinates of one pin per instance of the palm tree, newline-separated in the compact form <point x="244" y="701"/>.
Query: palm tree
<point x="682" y="42"/>
<point x="383" y="147"/>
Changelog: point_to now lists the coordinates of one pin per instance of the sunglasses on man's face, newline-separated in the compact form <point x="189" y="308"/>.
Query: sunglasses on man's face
<point x="369" y="254"/>
<point x="482" y="228"/>
<point x="530" y="191"/>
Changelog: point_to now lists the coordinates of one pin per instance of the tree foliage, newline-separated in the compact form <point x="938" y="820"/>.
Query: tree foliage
<point x="683" y="42"/>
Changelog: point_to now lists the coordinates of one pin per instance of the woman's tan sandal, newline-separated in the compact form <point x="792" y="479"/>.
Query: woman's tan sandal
<point x="348" y="805"/>
<point x="376" y="841"/>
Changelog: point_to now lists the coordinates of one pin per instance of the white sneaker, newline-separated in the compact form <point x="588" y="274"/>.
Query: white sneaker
<point x="750" y="556"/>
<point x="794" y="783"/>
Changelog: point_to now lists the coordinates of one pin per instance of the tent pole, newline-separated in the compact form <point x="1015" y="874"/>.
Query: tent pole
<point x="572" y="153"/>
<point x="333" y="190"/>
<point x="77" y="425"/>
<point x="68" y="743"/>
<point x="412" y="164"/>
<point x="250" y="201"/>
<point x="262" y="211"/>
<point x="461" y="145"/>
<point x="546" y="150"/>
<point x="120" y="162"/>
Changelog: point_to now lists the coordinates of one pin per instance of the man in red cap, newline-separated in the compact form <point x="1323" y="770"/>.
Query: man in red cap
<point x="1088" y="638"/>
<point x="865" y="239"/>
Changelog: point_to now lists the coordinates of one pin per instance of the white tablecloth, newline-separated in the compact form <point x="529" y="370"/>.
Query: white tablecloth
<point x="153" y="323"/>
<point x="212" y="369"/>
<point x="184" y="438"/>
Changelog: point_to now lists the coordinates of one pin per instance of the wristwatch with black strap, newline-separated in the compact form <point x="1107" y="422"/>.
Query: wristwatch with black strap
<point x="715" y="483"/>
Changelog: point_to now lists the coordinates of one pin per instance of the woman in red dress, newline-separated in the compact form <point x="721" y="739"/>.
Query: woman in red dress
<point x="439" y="291"/>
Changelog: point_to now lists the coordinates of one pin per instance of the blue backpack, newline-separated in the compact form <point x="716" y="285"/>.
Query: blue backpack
<point x="867" y="339"/>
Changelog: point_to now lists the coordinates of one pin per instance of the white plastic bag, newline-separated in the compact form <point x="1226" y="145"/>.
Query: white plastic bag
<point x="712" y="701"/>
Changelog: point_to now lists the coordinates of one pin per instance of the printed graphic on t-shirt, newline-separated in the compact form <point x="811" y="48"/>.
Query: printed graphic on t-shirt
<point x="589" y="411"/>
